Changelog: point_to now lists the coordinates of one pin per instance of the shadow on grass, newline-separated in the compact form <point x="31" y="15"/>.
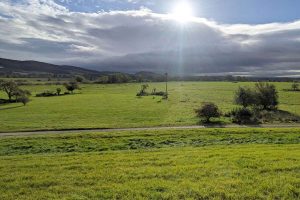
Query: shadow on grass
<point x="212" y="123"/>
<point x="12" y="107"/>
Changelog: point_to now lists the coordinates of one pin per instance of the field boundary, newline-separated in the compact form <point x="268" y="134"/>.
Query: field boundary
<point x="87" y="130"/>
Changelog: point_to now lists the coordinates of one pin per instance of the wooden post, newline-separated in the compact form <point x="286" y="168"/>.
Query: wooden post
<point x="166" y="85"/>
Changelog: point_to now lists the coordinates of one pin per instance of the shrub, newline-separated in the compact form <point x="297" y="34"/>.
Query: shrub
<point x="71" y="86"/>
<point x="23" y="99"/>
<point x="143" y="91"/>
<point x="242" y="115"/>
<point x="207" y="111"/>
<point x="58" y="91"/>
<point x="244" y="97"/>
<point x="46" y="94"/>
<point x="266" y="96"/>
<point x="160" y="93"/>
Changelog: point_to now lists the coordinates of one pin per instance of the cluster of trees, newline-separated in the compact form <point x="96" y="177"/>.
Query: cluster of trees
<point x="263" y="96"/>
<point x="70" y="87"/>
<point x="14" y="93"/>
<point x="143" y="92"/>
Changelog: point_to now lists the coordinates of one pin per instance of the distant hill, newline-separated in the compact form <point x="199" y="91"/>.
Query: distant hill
<point x="8" y="66"/>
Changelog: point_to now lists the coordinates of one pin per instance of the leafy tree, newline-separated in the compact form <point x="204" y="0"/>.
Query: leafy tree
<point x="207" y="111"/>
<point x="9" y="87"/>
<point x="244" y="96"/>
<point x="266" y="96"/>
<point x="19" y="93"/>
<point x="295" y="86"/>
<point x="71" y="86"/>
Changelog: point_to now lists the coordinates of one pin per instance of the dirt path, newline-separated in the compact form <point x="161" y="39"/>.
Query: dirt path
<point x="45" y="132"/>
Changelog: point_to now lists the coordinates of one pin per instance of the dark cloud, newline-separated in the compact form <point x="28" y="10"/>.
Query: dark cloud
<point x="141" y="40"/>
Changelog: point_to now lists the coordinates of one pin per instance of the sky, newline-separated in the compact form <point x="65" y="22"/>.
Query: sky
<point x="237" y="37"/>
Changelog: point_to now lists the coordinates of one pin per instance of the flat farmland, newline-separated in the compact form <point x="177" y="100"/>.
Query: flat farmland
<point x="116" y="106"/>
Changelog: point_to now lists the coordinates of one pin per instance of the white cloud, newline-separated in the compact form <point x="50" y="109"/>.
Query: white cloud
<point x="143" y="40"/>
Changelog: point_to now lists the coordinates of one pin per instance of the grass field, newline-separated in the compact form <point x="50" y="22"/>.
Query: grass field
<point x="111" y="106"/>
<point x="165" y="164"/>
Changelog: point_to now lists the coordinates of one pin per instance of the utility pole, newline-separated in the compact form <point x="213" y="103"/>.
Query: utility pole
<point x="166" y="85"/>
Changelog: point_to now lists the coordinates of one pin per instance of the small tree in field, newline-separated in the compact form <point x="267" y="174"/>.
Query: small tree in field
<point x="295" y="86"/>
<point x="71" y="86"/>
<point x="9" y="87"/>
<point x="244" y="97"/>
<point x="21" y="94"/>
<point x="207" y="111"/>
<point x="24" y="100"/>
<point x="143" y="91"/>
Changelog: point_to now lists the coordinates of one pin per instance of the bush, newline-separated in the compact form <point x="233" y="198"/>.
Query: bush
<point x="58" y="91"/>
<point x="160" y="93"/>
<point x="263" y="97"/>
<point x="71" y="86"/>
<point x="242" y="115"/>
<point x="143" y="91"/>
<point x="207" y="111"/>
<point x="244" y="97"/>
<point x="46" y="94"/>
<point x="266" y="96"/>
<point x="23" y="99"/>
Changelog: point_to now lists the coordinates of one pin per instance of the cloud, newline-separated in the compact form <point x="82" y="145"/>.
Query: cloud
<point x="139" y="40"/>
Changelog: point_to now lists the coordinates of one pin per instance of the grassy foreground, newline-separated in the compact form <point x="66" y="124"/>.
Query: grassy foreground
<point x="111" y="106"/>
<point x="164" y="164"/>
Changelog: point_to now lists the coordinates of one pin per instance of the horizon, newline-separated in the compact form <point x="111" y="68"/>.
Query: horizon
<point x="246" y="38"/>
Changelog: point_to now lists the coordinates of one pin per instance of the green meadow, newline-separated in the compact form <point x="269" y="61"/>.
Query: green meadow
<point x="115" y="106"/>
<point x="163" y="164"/>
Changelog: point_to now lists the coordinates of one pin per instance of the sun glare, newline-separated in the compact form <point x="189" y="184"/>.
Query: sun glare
<point x="182" y="12"/>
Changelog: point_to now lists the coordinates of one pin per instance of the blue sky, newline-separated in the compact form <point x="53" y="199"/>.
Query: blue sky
<point x="238" y="37"/>
<point x="223" y="11"/>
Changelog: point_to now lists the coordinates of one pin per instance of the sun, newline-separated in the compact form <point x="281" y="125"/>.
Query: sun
<point x="182" y="12"/>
